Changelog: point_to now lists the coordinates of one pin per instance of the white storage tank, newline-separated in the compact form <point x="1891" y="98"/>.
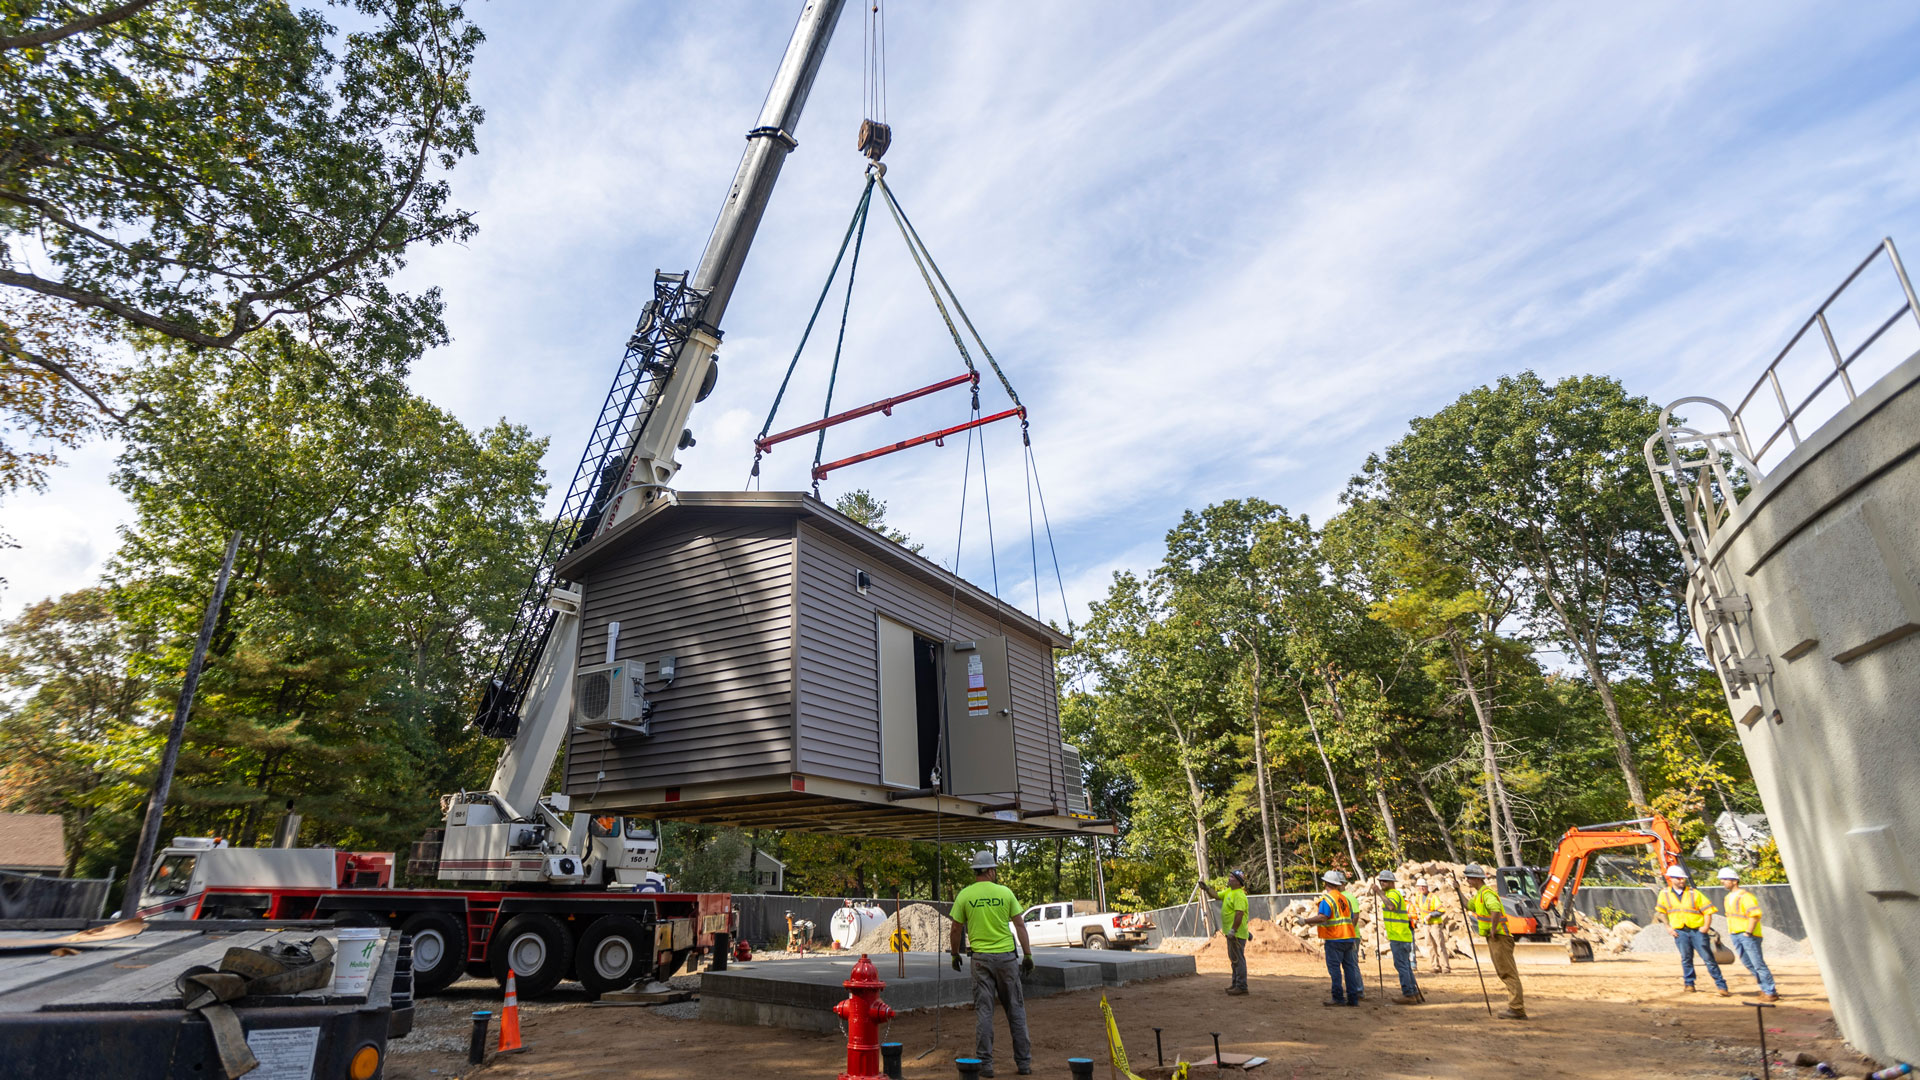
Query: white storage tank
<point x="853" y="922"/>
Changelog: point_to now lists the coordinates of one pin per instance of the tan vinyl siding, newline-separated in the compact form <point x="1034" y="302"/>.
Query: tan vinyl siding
<point x="717" y="596"/>
<point x="838" y="639"/>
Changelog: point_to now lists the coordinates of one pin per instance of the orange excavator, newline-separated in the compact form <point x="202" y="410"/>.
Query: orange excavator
<point x="1539" y="900"/>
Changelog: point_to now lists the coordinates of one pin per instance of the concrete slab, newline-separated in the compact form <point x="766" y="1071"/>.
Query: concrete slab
<point x="800" y="992"/>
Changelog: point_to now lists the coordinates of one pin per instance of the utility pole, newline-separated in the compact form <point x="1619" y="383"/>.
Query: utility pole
<point x="157" y="801"/>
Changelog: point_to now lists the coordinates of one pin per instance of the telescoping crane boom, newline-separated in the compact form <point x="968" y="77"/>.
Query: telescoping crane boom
<point x="669" y="367"/>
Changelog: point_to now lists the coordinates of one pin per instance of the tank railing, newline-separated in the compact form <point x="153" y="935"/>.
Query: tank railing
<point x="1769" y="381"/>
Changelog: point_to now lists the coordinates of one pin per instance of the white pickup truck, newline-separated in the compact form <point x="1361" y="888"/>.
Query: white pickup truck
<point x="1075" y="923"/>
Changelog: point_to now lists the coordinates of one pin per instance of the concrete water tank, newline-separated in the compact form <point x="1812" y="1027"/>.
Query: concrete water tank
<point x="1797" y="512"/>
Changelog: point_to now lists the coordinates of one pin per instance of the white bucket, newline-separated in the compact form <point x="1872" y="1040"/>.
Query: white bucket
<point x="356" y="949"/>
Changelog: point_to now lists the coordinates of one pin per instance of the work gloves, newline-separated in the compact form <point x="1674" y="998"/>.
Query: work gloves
<point x="956" y="960"/>
<point x="1026" y="965"/>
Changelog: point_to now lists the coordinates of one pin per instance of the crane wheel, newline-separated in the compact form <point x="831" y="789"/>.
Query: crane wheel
<point x="614" y="952"/>
<point x="539" y="948"/>
<point x="439" y="951"/>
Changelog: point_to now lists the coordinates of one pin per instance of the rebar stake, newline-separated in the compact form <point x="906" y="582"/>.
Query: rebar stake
<point x="1766" y="1059"/>
<point x="1216" y="1048"/>
<point x="1158" y="1057"/>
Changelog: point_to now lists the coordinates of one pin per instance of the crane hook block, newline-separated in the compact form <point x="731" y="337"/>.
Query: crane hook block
<point x="875" y="137"/>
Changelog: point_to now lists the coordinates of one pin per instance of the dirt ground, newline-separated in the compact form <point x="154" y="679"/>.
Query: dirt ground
<point x="1614" y="1019"/>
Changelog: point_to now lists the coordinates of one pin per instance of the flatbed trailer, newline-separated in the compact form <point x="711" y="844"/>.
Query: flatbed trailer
<point x="112" y="1009"/>
<point x="605" y="940"/>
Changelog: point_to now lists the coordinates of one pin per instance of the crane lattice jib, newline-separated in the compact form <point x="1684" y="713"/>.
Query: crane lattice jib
<point x="665" y="323"/>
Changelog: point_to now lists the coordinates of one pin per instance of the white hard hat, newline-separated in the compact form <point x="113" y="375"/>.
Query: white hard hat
<point x="1334" y="877"/>
<point x="984" y="860"/>
<point x="1728" y="873"/>
<point x="1473" y="870"/>
<point x="1676" y="872"/>
<point x="1387" y="875"/>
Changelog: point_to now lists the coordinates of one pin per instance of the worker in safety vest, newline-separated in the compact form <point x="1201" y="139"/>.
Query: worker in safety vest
<point x="1743" y="928"/>
<point x="1490" y="919"/>
<point x="982" y="914"/>
<point x="1396" y="918"/>
<point x="1689" y="916"/>
<point x="1233" y="924"/>
<point x="1334" y="920"/>
<point x="1433" y="928"/>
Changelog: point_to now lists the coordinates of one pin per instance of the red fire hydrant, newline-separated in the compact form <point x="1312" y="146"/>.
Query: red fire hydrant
<point x="864" y="1012"/>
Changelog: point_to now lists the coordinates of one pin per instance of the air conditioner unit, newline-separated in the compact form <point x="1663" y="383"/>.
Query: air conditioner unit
<point x="1075" y="779"/>
<point x="612" y="696"/>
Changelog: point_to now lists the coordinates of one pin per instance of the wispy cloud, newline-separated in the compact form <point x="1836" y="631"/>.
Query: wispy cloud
<point x="1222" y="250"/>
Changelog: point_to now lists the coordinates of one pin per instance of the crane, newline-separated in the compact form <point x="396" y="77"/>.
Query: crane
<point x="669" y="367"/>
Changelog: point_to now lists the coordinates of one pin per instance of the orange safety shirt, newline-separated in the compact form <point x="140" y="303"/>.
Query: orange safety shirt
<point x="1340" y="926"/>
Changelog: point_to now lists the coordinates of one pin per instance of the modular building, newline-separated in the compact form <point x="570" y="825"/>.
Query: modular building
<point x="759" y="659"/>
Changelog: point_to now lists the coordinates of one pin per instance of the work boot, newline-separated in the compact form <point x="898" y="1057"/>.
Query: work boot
<point x="1236" y="991"/>
<point x="1025" y="1070"/>
<point x="986" y="1070"/>
<point x="1724" y="992"/>
<point x="1509" y="1014"/>
<point x="1407" y="999"/>
<point x="1769" y="997"/>
<point x="1333" y="1003"/>
<point x="1692" y="989"/>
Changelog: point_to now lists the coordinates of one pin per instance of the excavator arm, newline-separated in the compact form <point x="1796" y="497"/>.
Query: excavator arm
<point x="1581" y="842"/>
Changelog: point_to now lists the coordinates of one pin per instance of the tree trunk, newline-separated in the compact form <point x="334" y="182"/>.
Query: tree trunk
<point x="1590" y="656"/>
<point x="1340" y="808"/>
<point x="1059" y="854"/>
<point x="1433" y="808"/>
<point x="1260" y="774"/>
<point x="1386" y="815"/>
<point x="1197" y="805"/>
<point x="1489" y="761"/>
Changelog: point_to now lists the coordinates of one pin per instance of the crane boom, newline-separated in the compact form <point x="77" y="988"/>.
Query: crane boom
<point x="668" y="368"/>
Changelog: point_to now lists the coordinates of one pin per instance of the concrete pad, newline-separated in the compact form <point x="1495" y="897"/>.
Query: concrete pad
<point x="800" y="992"/>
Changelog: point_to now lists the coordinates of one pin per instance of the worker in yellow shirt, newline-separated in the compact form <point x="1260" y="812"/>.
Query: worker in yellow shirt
<point x="1233" y="924"/>
<point x="1490" y="919"/>
<point x="1396" y="918"/>
<point x="1432" y="921"/>
<point x="983" y="913"/>
<point x="1689" y="915"/>
<point x="1743" y="928"/>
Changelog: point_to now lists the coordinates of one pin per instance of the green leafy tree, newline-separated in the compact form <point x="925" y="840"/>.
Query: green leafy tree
<point x="197" y="170"/>
<point x="1547" y="481"/>
<point x="861" y="506"/>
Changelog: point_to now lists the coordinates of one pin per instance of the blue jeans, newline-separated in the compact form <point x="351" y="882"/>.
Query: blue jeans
<point x="1343" y="963"/>
<point x="1403" y="966"/>
<point x="1690" y="942"/>
<point x="1747" y="948"/>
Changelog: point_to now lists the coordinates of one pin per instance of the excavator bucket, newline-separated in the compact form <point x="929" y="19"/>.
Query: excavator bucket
<point x="1545" y="953"/>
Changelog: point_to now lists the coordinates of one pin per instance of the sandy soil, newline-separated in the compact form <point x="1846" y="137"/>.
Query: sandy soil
<point x="1620" y="1019"/>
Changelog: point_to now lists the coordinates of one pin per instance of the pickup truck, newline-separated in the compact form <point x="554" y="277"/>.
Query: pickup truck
<point x="1075" y="923"/>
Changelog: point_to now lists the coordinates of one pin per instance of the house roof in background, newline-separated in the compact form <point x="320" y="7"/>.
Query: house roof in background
<point x="32" y="842"/>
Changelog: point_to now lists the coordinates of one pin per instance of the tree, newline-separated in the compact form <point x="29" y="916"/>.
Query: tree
<point x="385" y="545"/>
<point x="861" y="506"/>
<point x="195" y="172"/>
<point x="1547" y="480"/>
<point x="71" y="740"/>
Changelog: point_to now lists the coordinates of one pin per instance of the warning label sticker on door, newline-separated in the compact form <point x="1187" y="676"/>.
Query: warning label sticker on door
<point x="976" y="685"/>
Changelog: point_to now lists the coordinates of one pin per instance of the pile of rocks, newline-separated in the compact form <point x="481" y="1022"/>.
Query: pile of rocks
<point x="1439" y="876"/>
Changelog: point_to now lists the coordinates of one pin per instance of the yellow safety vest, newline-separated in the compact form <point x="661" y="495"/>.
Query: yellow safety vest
<point x="1340" y="927"/>
<point x="1490" y="913"/>
<point x="1393" y="913"/>
<point x="1685" y="910"/>
<point x="1428" y="908"/>
<point x="1743" y="913"/>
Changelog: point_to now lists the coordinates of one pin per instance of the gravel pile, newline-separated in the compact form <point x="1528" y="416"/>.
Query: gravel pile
<point x="925" y="926"/>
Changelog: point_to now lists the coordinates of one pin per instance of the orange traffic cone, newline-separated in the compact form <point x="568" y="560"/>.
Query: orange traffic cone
<point x="510" y="1020"/>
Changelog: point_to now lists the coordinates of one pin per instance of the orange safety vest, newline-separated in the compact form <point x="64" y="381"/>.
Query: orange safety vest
<point x="1340" y="927"/>
<point x="1743" y="912"/>
<point x="1684" y="910"/>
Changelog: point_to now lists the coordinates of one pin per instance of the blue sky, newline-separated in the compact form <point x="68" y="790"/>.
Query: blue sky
<point x="1223" y="250"/>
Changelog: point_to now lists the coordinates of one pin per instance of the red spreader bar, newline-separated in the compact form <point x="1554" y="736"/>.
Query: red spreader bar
<point x="885" y="405"/>
<point x="820" y="471"/>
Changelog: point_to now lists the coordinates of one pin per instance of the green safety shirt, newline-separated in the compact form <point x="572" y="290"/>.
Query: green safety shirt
<point x="1489" y="913"/>
<point x="1393" y="912"/>
<point x="987" y="910"/>
<point x="1231" y="901"/>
